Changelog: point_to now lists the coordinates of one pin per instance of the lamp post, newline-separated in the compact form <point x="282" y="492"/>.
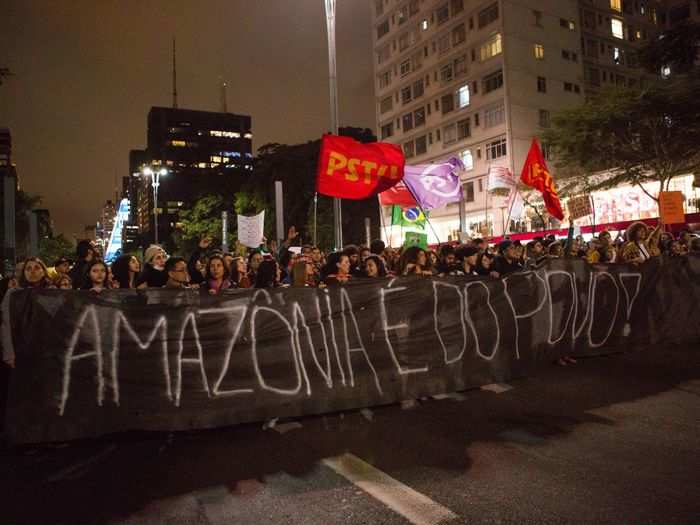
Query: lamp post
<point x="330" y="24"/>
<point x="155" y="175"/>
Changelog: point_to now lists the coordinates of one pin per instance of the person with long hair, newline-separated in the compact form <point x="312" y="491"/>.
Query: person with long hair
<point x="239" y="273"/>
<point x="34" y="274"/>
<point x="373" y="267"/>
<point x="337" y="269"/>
<point x="217" y="276"/>
<point x="255" y="259"/>
<point x="304" y="273"/>
<point x="96" y="278"/>
<point x="484" y="261"/>
<point x="268" y="274"/>
<point x="414" y="261"/>
<point x="641" y="244"/>
<point x="125" y="271"/>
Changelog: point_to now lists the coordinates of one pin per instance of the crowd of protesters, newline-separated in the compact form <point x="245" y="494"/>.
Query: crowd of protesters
<point x="214" y="271"/>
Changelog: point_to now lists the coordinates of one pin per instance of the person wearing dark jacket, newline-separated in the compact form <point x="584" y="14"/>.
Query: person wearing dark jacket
<point x="85" y="253"/>
<point x="196" y="276"/>
<point x="507" y="261"/>
<point x="154" y="274"/>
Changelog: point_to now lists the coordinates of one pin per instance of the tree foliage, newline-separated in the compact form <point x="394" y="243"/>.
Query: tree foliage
<point x="295" y="165"/>
<point x="203" y="219"/>
<point x="53" y="248"/>
<point x="678" y="49"/>
<point x="650" y="135"/>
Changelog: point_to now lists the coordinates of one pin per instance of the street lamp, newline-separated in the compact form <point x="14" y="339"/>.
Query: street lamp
<point x="155" y="175"/>
<point x="333" y="82"/>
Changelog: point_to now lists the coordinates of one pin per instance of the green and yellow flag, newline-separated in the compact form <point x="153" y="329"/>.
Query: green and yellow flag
<point x="408" y="217"/>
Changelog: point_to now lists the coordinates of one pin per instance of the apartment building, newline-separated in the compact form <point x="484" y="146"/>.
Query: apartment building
<point x="477" y="79"/>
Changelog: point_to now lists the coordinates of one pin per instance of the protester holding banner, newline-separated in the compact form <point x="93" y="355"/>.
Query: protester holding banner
<point x="640" y="245"/>
<point x="154" y="274"/>
<point x="126" y="270"/>
<point x="337" y="269"/>
<point x="34" y="274"/>
<point x="484" y="262"/>
<point x="176" y="272"/>
<point x="268" y="274"/>
<point x="217" y="276"/>
<point x="507" y="262"/>
<point x="96" y="278"/>
<point x="373" y="267"/>
<point x="414" y="261"/>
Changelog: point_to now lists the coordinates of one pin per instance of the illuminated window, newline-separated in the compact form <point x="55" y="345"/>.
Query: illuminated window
<point x="539" y="51"/>
<point x="491" y="48"/>
<point x="467" y="159"/>
<point x="215" y="158"/>
<point x="178" y="143"/>
<point x="247" y="136"/>
<point x="617" y="29"/>
<point x="202" y="165"/>
<point x="616" y="5"/>
<point x="463" y="96"/>
<point x="424" y="24"/>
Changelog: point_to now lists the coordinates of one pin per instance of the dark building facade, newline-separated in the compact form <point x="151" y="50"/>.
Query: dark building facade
<point x="202" y="151"/>
<point x="8" y="187"/>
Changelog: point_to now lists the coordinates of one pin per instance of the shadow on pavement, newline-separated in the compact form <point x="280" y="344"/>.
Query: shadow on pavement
<point x="108" y="479"/>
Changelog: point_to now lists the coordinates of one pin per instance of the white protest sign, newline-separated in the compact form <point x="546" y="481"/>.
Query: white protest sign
<point x="250" y="229"/>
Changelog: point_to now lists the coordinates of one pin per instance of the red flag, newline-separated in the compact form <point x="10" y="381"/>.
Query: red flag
<point x="398" y="195"/>
<point x="536" y="175"/>
<point x="351" y="170"/>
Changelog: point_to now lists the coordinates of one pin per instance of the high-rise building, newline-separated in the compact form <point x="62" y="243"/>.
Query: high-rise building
<point x="478" y="79"/>
<point x="680" y="11"/>
<point x="202" y="152"/>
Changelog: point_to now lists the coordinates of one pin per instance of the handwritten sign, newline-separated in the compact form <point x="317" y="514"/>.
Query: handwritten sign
<point x="250" y="229"/>
<point x="671" y="207"/>
<point x="579" y="207"/>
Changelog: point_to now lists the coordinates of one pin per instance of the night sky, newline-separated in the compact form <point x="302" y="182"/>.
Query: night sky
<point x="86" y="74"/>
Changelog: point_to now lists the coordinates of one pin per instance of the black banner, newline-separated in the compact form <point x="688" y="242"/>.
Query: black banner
<point x="87" y="365"/>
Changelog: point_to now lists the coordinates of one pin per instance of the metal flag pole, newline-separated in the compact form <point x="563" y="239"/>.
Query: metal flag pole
<point x="333" y="85"/>
<point x="381" y="220"/>
<point x="315" y="215"/>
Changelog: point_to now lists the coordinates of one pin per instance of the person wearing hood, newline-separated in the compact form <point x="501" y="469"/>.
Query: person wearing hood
<point x="86" y="253"/>
<point x="153" y="274"/>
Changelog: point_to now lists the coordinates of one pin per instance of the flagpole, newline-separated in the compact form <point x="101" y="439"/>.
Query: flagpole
<point x="333" y="85"/>
<point x="423" y="212"/>
<point x="381" y="219"/>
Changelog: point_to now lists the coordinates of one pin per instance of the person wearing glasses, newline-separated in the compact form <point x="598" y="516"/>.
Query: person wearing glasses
<point x="178" y="276"/>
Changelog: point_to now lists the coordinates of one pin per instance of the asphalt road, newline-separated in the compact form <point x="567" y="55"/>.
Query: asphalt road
<point x="611" y="440"/>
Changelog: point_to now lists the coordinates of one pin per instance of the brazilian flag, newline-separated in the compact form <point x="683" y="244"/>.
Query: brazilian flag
<point x="409" y="217"/>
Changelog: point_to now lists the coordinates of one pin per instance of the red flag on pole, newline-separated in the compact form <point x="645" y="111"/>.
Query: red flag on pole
<point x="351" y="170"/>
<point x="536" y="175"/>
<point x="398" y="195"/>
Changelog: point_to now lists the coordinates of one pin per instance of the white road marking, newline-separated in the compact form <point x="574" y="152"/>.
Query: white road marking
<point x="498" y="388"/>
<point x="81" y="467"/>
<point x="283" y="428"/>
<point x="412" y="505"/>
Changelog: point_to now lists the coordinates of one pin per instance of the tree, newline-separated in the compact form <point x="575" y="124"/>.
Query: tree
<point x="643" y="136"/>
<point x="676" y="49"/>
<point x="295" y="165"/>
<point x="203" y="219"/>
<point x="53" y="248"/>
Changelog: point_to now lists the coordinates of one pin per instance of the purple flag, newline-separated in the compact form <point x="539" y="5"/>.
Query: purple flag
<point x="434" y="185"/>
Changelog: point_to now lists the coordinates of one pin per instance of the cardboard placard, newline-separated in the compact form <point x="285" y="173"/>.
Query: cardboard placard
<point x="671" y="207"/>
<point x="579" y="206"/>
